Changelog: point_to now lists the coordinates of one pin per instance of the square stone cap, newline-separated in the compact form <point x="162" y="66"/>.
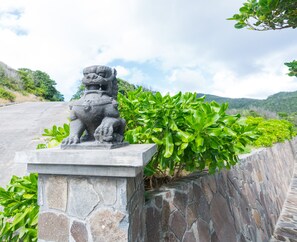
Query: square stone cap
<point x="125" y="161"/>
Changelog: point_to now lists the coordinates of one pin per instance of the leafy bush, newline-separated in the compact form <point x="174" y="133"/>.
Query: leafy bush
<point x="18" y="220"/>
<point x="7" y="95"/>
<point x="190" y="134"/>
<point x="271" y="131"/>
<point x="54" y="136"/>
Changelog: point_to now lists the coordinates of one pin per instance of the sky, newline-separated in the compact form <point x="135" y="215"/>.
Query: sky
<point x="166" y="45"/>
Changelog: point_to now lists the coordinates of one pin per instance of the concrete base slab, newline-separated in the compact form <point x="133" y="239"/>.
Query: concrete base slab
<point x="126" y="161"/>
<point x="93" y="146"/>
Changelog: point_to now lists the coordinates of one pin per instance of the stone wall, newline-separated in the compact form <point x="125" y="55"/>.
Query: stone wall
<point x="80" y="208"/>
<point x="242" y="204"/>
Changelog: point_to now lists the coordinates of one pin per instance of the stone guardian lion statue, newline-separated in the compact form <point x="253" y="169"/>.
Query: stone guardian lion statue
<point x="95" y="116"/>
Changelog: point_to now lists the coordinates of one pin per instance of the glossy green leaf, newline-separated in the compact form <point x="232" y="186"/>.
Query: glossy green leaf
<point x="169" y="146"/>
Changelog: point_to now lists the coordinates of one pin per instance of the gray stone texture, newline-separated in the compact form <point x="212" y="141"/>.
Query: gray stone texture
<point x="79" y="232"/>
<point x="98" y="208"/>
<point x="107" y="190"/>
<point x="222" y="219"/>
<point x="82" y="198"/>
<point x="53" y="227"/>
<point x="178" y="224"/>
<point x="56" y="192"/>
<point x="242" y="204"/>
<point x="104" y="225"/>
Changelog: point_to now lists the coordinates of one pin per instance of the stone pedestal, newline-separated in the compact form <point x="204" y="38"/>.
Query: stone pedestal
<point x="90" y="195"/>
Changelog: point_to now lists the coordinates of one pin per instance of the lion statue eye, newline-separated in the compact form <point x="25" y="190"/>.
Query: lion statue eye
<point x="102" y="74"/>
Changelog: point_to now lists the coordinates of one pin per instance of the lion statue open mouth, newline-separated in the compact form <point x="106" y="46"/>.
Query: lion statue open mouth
<point x="95" y="116"/>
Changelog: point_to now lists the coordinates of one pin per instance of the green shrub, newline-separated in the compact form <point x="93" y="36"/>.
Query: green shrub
<point x="271" y="131"/>
<point x="7" y="95"/>
<point x="191" y="134"/>
<point x="54" y="136"/>
<point x="18" y="220"/>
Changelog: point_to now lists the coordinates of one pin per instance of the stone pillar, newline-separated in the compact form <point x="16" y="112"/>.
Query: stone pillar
<point x="90" y="195"/>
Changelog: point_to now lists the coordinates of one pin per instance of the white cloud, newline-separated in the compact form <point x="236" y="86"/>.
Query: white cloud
<point x="255" y="85"/>
<point x="122" y="71"/>
<point x="196" y="47"/>
<point x="186" y="80"/>
<point x="137" y="77"/>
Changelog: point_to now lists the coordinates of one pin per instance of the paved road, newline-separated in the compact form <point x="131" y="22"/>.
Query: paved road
<point x="21" y="126"/>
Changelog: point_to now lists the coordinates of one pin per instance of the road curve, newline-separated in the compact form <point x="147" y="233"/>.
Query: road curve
<point x="21" y="126"/>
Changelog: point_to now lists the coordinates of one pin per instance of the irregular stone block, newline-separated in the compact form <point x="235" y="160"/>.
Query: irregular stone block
<point x="211" y="183"/>
<point x="180" y="201"/>
<point x="203" y="209"/>
<point x="159" y="201"/>
<point x="136" y="225"/>
<point x="107" y="188"/>
<point x="197" y="192"/>
<point x="203" y="231"/>
<point x="257" y="218"/>
<point x="53" y="227"/>
<point x="214" y="238"/>
<point x="56" y="192"/>
<point x="105" y="226"/>
<point x="79" y="232"/>
<point x="189" y="237"/>
<point x="192" y="213"/>
<point x="165" y="215"/>
<point x="40" y="198"/>
<point x="153" y="219"/>
<point x="178" y="224"/>
<point x="222" y="219"/>
<point x="82" y="198"/>
<point x="170" y="237"/>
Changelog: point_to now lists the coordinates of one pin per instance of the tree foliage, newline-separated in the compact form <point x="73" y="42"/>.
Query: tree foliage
<point x="262" y="15"/>
<point x="40" y="84"/>
<point x="292" y="68"/>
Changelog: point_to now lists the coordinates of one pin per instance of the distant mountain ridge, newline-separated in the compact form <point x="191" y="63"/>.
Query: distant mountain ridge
<point x="279" y="102"/>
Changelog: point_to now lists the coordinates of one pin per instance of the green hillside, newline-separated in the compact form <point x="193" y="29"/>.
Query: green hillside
<point x="279" y="102"/>
<point x="236" y="103"/>
<point x="25" y="82"/>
